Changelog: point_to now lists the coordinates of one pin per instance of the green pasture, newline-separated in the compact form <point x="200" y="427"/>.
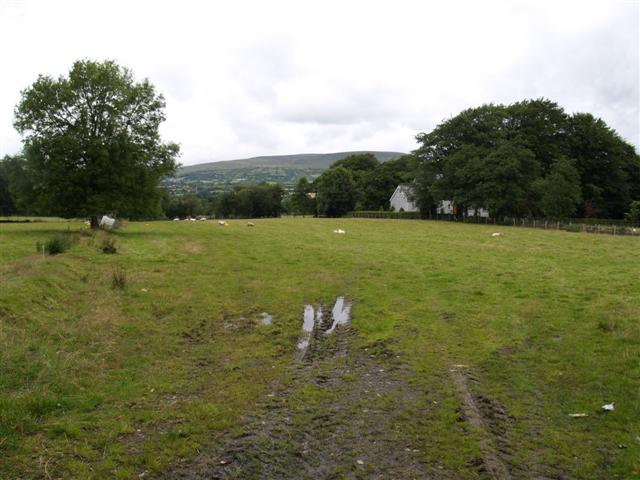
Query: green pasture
<point x="106" y="381"/>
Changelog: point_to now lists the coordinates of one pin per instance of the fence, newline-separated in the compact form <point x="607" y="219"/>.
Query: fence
<point x="587" y="225"/>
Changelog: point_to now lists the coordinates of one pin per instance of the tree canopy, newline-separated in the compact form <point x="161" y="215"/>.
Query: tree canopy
<point x="92" y="142"/>
<point x="528" y="158"/>
<point x="337" y="192"/>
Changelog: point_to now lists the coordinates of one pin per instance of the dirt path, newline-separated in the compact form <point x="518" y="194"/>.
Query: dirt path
<point x="347" y="413"/>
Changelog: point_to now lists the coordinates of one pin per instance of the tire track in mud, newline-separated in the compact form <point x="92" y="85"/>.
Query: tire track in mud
<point x="347" y="412"/>
<point x="488" y="419"/>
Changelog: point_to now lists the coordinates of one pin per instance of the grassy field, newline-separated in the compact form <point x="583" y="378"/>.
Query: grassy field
<point x="101" y="381"/>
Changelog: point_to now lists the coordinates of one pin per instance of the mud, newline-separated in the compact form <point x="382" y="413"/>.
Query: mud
<point x="489" y="420"/>
<point x="345" y="412"/>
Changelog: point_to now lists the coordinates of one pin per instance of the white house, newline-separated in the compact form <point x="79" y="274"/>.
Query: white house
<point x="403" y="199"/>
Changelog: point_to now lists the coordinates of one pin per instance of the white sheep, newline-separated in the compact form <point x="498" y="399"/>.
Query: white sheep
<point x="497" y="234"/>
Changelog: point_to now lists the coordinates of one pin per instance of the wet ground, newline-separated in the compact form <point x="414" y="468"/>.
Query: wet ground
<point x="344" y="414"/>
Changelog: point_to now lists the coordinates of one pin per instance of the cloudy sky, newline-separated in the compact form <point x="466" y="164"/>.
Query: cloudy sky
<point x="247" y="78"/>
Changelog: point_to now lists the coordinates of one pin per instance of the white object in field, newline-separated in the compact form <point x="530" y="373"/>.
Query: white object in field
<point x="176" y="219"/>
<point x="202" y="219"/>
<point x="192" y="219"/>
<point x="608" y="407"/>
<point x="497" y="234"/>
<point x="107" y="222"/>
<point x="578" y="415"/>
<point x="339" y="231"/>
<point x="222" y="222"/>
<point x="251" y="224"/>
<point x="87" y="223"/>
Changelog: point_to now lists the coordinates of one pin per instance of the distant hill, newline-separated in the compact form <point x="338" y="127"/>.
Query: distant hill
<point x="216" y="177"/>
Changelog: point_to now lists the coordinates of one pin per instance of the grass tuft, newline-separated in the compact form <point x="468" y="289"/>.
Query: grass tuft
<point x="57" y="244"/>
<point x="119" y="279"/>
<point x="108" y="245"/>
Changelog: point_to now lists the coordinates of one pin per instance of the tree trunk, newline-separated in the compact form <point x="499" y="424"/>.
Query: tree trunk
<point x="94" y="222"/>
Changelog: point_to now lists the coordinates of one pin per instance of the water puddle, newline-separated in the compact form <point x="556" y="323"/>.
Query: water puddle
<point x="266" y="319"/>
<point x="308" y="320"/>
<point x="341" y="314"/>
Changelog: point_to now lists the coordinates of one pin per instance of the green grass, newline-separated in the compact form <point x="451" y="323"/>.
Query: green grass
<point x="102" y="382"/>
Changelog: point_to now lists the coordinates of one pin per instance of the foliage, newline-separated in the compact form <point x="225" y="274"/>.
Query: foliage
<point x="92" y="142"/>
<point x="380" y="183"/>
<point x="57" y="244"/>
<point x="499" y="157"/>
<point x="182" y="206"/>
<point x="303" y="198"/>
<point x="337" y="192"/>
<point x="559" y="191"/>
<point x="633" y="215"/>
<point x="251" y="201"/>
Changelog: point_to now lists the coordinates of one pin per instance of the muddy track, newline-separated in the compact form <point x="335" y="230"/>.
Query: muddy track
<point x="489" y="420"/>
<point x="346" y="413"/>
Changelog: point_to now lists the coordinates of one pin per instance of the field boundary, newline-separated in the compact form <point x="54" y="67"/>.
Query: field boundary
<point x="584" y="225"/>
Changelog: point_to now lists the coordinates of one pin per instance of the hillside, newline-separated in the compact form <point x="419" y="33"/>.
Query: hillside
<point x="214" y="177"/>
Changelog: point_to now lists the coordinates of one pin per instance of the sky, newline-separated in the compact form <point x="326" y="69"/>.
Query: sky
<point x="247" y="78"/>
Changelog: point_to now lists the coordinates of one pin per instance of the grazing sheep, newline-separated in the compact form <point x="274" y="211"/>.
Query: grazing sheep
<point x="251" y="224"/>
<point x="222" y="223"/>
<point x="339" y="231"/>
<point x="497" y="234"/>
<point x="176" y="219"/>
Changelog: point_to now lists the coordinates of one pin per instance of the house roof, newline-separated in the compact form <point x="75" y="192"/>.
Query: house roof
<point x="404" y="188"/>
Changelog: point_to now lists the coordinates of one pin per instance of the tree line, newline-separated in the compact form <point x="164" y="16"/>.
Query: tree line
<point x="91" y="144"/>
<point x="529" y="158"/>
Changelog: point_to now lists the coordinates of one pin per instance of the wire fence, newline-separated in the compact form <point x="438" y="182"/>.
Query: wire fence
<point x="586" y="225"/>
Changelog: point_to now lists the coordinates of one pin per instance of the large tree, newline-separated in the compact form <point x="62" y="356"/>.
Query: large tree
<point x="92" y="140"/>
<point x="303" y="198"/>
<point x="492" y="155"/>
<point x="559" y="191"/>
<point x="337" y="192"/>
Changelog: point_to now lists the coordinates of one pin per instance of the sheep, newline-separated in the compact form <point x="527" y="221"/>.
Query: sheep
<point x="497" y="234"/>
<point x="339" y="231"/>
<point x="222" y="223"/>
<point x="176" y="219"/>
<point x="251" y="224"/>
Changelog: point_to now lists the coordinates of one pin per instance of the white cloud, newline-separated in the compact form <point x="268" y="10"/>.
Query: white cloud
<point x="255" y="78"/>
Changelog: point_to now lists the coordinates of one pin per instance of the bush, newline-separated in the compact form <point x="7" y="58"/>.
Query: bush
<point x="59" y="243"/>
<point x="108" y="245"/>
<point x="119" y="280"/>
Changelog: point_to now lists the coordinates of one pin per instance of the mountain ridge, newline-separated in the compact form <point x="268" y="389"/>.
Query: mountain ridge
<point x="300" y="160"/>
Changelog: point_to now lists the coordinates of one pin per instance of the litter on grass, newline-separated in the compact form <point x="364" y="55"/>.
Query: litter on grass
<point x="107" y="222"/>
<point x="578" y="415"/>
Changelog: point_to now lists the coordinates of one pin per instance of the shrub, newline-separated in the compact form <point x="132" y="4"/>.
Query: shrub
<point x="119" y="279"/>
<point x="108" y="245"/>
<point x="59" y="243"/>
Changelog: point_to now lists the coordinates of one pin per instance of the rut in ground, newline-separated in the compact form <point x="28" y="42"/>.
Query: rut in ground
<point x="348" y="412"/>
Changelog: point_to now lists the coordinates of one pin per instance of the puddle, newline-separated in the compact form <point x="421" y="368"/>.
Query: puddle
<point x="341" y="314"/>
<point x="266" y="319"/>
<point x="308" y="321"/>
